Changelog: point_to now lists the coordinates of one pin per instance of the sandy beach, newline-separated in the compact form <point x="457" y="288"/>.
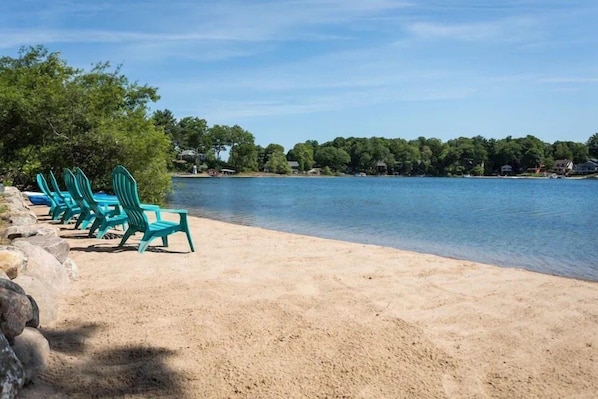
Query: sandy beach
<point x="263" y="314"/>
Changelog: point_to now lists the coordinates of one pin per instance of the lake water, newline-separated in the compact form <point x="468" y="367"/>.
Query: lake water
<point x="544" y="225"/>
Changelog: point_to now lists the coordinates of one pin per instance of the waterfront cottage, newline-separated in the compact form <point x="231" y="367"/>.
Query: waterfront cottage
<point x="562" y="166"/>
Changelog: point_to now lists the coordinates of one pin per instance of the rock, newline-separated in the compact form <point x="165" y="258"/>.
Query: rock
<point x="15" y="311"/>
<point x="12" y="375"/>
<point x="28" y="230"/>
<point x="33" y="351"/>
<point x="11" y="285"/>
<point x="12" y="260"/>
<point x="43" y="265"/>
<point x="45" y="297"/>
<point x="55" y="245"/>
<point x="20" y="218"/>
<point x="71" y="269"/>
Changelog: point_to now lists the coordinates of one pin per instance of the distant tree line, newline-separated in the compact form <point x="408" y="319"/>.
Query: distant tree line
<point x="374" y="155"/>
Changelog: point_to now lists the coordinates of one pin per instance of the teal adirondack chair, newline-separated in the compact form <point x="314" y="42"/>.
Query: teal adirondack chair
<point x="72" y="209"/>
<point x="125" y="188"/>
<point x="57" y="206"/>
<point x="105" y="217"/>
<point x="87" y="214"/>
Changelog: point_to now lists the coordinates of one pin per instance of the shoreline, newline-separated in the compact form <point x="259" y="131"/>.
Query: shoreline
<point x="261" y="313"/>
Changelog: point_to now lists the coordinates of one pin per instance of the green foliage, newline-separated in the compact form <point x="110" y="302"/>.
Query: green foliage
<point x="334" y="158"/>
<point x="53" y="116"/>
<point x="278" y="163"/>
<point x="592" y="144"/>
<point x="304" y="155"/>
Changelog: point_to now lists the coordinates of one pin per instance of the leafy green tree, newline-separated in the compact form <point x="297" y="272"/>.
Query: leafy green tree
<point x="592" y="144"/>
<point x="243" y="153"/>
<point x="336" y="159"/>
<point x="507" y="152"/>
<point x="271" y="149"/>
<point x="193" y="134"/>
<point x="278" y="163"/>
<point x="407" y="156"/>
<point x="304" y="155"/>
<point x="53" y="116"/>
<point x="165" y="120"/>
<point x="562" y="150"/>
<point x="219" y="138"/>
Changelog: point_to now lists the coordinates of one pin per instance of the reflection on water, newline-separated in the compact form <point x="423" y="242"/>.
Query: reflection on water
<point x="545" y="225"/>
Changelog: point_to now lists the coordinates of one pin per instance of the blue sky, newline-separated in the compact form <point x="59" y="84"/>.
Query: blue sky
<point x="296" y="70"/>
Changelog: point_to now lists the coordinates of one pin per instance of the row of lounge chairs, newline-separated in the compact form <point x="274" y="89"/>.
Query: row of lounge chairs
<point x="101" y="212"/>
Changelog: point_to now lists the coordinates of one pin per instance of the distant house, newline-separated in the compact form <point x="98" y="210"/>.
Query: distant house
<point x="187" y="155"/>
<point x="506" y="170"/>
<point x="294" y="166"/>
<point x="562" y="166"/>
<point x="381" y="168"/>
<point x="590" y="166"/>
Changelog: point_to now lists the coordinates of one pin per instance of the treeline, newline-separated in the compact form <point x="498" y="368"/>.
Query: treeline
<point x="374" y="155"/>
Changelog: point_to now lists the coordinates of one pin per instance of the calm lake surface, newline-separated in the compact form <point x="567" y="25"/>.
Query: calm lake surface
<point x="544" y="225"/>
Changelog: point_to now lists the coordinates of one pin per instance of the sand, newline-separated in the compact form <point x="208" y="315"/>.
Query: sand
<point x="263" y="314"/>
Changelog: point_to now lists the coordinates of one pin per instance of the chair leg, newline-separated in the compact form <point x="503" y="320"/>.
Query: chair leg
<point x="147" y="238"/>
<point x="190" y="241"/>
<point x="82" y="217"/>
<point x="94" y="226"/>
<point x="142" y="246"/>
<point x="126" y="236"/>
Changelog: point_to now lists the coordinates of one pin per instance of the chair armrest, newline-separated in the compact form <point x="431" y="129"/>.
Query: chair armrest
<point x="174" y="210"/>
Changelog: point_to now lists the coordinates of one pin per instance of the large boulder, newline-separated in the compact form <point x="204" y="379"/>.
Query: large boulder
<point x="16" y="311"/>
<point x="55" y="245"/>
<point x="12" y="260"/>
<point x="12" y="375"/>
<point x="33" y="351"/>
<point x="12" y="232"/>
<point x="45" y="279"/>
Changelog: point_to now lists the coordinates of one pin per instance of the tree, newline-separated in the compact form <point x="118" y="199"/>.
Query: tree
<point x="278" y="163"/>
<point x="269" y="150"/>
<point x="193" y="134"/>
<point x="336" y="159"/>
<point x="219" y="138"/>
<point x="562" y="151"/>
<point x="53" y="116"/>
<point x="243" y="153"/>
<point x="592" y="144"/>
<point x="165" y="120"/>
<point x="304" y="155"/>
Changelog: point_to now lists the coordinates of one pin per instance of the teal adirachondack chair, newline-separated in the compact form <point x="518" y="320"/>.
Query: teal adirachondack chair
<point x="125" y="188"/>
<point x="57" y="206"/>
<point x="72" y="209"/>
<point x="87" y="215"/>
<point x="105" y="217"/>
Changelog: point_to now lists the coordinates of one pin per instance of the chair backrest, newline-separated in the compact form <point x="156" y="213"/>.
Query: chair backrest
<point x="43" y="185"/>
<point x="73" y="189"/>
<point x="56" y="187"/>
<point x="84" y="187"/>
<point x="125" y="187"/>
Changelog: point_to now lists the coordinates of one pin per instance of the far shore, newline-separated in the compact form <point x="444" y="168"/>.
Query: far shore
<point x="264" y="174"/>
<point x="265" y="314"/>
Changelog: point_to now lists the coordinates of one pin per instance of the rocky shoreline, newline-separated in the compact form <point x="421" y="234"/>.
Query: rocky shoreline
<point x="35" y="271"/>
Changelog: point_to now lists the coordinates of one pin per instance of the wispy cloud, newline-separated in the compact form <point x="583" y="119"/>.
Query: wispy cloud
<point x="510" y="29"/>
